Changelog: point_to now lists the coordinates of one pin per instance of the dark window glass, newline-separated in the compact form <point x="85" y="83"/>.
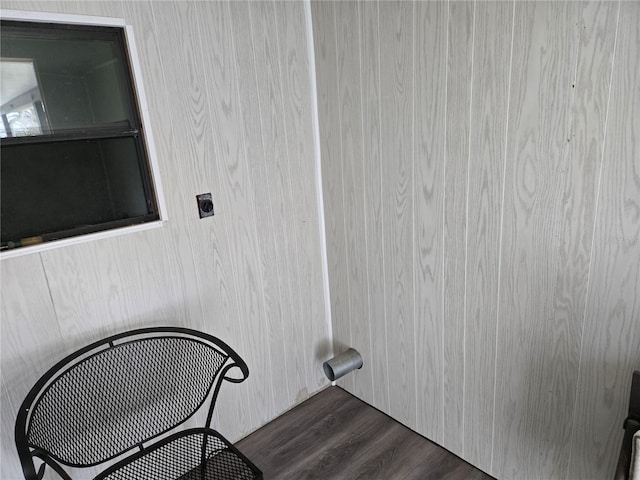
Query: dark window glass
<point x="73" y="158"/>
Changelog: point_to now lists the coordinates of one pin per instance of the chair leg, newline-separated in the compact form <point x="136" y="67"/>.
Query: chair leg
<point x="203" y="455"/>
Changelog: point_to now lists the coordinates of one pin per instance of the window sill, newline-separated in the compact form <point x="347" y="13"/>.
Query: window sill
<point x="65" y="242"/>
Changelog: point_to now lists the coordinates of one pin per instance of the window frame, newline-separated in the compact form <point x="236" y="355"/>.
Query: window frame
<point x="147" y="139"/>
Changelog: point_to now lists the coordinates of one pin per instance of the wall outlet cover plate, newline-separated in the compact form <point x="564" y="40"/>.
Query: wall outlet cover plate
<point x="205" y="205"/>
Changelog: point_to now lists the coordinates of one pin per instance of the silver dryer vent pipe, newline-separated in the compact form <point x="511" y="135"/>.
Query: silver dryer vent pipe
<point x="342" y="364"/>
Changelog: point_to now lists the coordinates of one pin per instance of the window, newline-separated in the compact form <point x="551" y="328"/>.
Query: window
<point x="73" y="154"/>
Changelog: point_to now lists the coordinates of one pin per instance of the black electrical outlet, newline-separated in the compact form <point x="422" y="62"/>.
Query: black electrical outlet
<point x="205" y="205"/>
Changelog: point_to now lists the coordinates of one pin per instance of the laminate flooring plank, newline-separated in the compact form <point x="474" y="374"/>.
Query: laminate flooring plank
<point x="446" y="466"/>
<point x="490" y="89"/>
<point x="334" y="435"/>
<point x="382" y="457"/>
<point x="308" y="450"/>
<point x="430" y="41"/>
<point x="458" y="95"/>
<point x="399" y="457"/>
<point x="611" y="338"/>
<point x="374" y="216"/>
<point x="349" y="448"/>
<point x="325" y="443"/>
<point x="396" y="53"/>
<point x="292" y="424"/>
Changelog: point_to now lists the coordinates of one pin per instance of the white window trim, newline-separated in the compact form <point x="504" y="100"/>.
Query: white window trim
<point x="138" y="85"/>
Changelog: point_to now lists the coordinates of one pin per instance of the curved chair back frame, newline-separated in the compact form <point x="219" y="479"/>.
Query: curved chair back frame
<point x="118" y="394"/>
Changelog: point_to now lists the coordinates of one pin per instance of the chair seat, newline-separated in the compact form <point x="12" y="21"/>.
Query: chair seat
<point x="178" y="457"/>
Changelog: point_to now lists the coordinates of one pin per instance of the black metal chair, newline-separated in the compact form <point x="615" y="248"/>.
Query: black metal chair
<point x="631" y="426"/>
<point x="119" y="405"/>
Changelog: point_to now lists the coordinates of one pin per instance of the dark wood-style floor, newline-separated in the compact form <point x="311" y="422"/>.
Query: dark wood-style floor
<point x="333" y="435"/>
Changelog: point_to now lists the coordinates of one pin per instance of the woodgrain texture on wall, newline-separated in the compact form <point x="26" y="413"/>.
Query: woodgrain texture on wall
<point x="481" y="169"/>
<point x="229" y="96"/>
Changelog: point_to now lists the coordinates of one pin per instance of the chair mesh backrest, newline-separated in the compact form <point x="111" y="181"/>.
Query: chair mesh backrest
<point x="123" y="396"/>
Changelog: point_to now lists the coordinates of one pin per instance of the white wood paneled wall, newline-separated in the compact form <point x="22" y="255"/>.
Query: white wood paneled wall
<point x="229" y="95"/>
<point x="481" y="170"/>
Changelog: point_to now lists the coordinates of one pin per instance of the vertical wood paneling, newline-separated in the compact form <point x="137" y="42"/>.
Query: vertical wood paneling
<point x="430" y="44"/>
<point x="611" y="338"/>
<point x="136" y="14"/>
<point x="252" y="124"/>
<point x="167" y="289"/>
<point x="396" y="83"/>
<point x="162" y="291"/>
<point x="324" y="22"/>
<point x="56" y="6"/>
<point x="348" y="23"/>
<point x="216" y="289"/>
<point x="237" y="192"/>
<point x="102" y="8"/>
<point x="490" y="85"/>
<point x="544" y="59"/>
<point x="413" y="110"/>
<point x="574" y="212"/>
<point x="10" y="464"/>
<point x="297" y="116"/>
<point x="226" y="162"/>
<point x="459" y="96"/>
<point x="373" y="213"/>
<point x="220" y="274"/>
<point x="286" y="108"/>
<point x="29" y="328"/>
<point x="501" y="226"/>
<point x="86" y="293"/>
<point x="270" y="94"/>
<point x="176" y="150"/>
